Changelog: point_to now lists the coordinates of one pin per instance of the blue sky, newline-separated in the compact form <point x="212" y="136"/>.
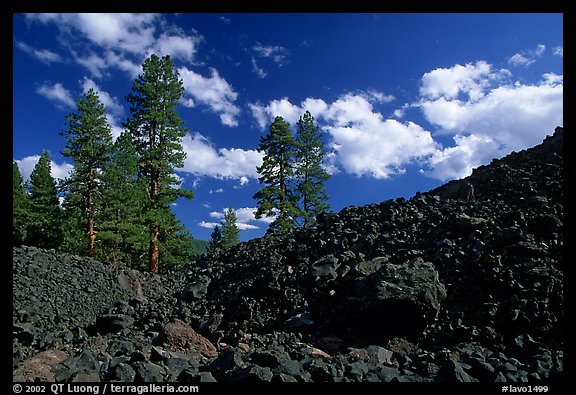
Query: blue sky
<point x="405" y="102"/>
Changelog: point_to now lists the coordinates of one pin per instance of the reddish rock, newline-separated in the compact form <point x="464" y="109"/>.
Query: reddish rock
<point x="39" y="367"/>
<point x="178" y="336"/>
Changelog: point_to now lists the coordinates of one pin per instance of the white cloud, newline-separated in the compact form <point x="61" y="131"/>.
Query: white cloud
<point x="259" y="71"/>
<point x="57" y="94"/>
<point x="471" y="79"/>
<point x="283" y="108"/>
<point x="208" y="225"/>
<point x="363" y="142"/>
<point x="119" y="40"/>
<point x="380" y="97"/>
<point x="219" y="190"/>
<point x="213" y="91"/>
<point x="178" y="45"/>
<point x="244" y="180"/>
<point x="112" y="104"/>
<point x="520" y="60"/>
<point x="492" y="122"/>
<point x="244" y="219"/>
<point x="457" y="161"/>
<point x="202" y="159"/>
<point x="99" y="64"/>
<point x="43" y="55"/>
<point x="526" y="58"/>
<point x="57" y="171"/>
<point x="558" y="51"/>
<point x="275" y="52"/>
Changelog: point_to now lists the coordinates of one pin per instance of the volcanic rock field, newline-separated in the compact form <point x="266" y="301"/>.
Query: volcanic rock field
<point x="463" y="283"/>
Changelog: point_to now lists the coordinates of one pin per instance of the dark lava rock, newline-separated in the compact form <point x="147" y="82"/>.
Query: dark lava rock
<point x="460" y="283"/>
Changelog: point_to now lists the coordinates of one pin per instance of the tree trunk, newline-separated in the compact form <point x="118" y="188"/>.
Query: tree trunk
<point x="154" y="251"/>
<point x="91" y="238"/>
<point x="91" y="234"/>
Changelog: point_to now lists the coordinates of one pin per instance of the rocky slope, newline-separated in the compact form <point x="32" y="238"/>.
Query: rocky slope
<point x="461" y="283"/>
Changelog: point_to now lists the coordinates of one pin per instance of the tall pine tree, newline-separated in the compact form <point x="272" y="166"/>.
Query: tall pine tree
<point x="123" y="228"/>
<point x="230" y="230"/>
<point x="156" y="130"/>
<point x="88" y="143"/>
<point x="20" y="207"/>
<point x="277" y="197"/>
<point x="216" y="240"/>
<point x="310" y="173"/>
<point x="45" y="227"/>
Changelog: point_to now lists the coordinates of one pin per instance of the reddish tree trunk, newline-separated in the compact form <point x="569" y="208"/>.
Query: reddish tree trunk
<point x="91" y="234"/>
<point x="154" y="251"/>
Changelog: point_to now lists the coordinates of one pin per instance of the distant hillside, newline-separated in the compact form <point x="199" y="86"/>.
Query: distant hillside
<point x="199" y="246"/>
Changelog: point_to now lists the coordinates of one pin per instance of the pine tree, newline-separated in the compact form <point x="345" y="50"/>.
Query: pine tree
<point x="20" y="207"/>
<point x="310" y="174"/>
<point x="230" y="231"/>
<point x="123" y="228"/>
<point x="88" y="143"/>
<point x="45" y="227"/>
<point x="157" y="132"/>
<point x="178" y="247"/>
<point x="277" y="198"/>
<point x="216" y="241"/>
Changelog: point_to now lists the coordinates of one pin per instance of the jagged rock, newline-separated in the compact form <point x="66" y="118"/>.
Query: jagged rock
<point x="39" y="367"/>
<point x="128" y="280"/>
<point x="396" y="299"/>
<point x="180" y="337"/>
<point x="461" y="283"/>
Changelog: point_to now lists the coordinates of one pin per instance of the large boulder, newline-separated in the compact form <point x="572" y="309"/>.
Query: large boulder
<point x="391" y="300"/>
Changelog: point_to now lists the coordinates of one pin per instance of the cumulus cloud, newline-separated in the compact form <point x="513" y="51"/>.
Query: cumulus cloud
<point x="57" y="171"/>
<point x="487" y="115"/>
<point x="245" y="219"/>
<point x="470" y="79"/>
<point x="457" y="161"/>
<point x="202" y="159"/>
<point x="178" y="45"/>
<point x="213" y="91"/>
<point x="56" y="93"/>
<point x="526" y="58"/>
<point x="363" y="143"/>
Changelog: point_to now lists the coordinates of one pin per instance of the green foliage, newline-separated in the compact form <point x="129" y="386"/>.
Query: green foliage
<point x="75" y="237"/>
<point x="216" y="241"/>
<point x="156" y="131"/>
<point x="45" y="221"/>
<point x="230" y="231"/>
<point x="200" y="246"/>
<point x="178" y="248"/>
<point x="88" y="143"/>
<point x="20" y="207"/>
<point x="310" y="173"/>
<point x="123" y="235"/>
<point x="277" y="197"/>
